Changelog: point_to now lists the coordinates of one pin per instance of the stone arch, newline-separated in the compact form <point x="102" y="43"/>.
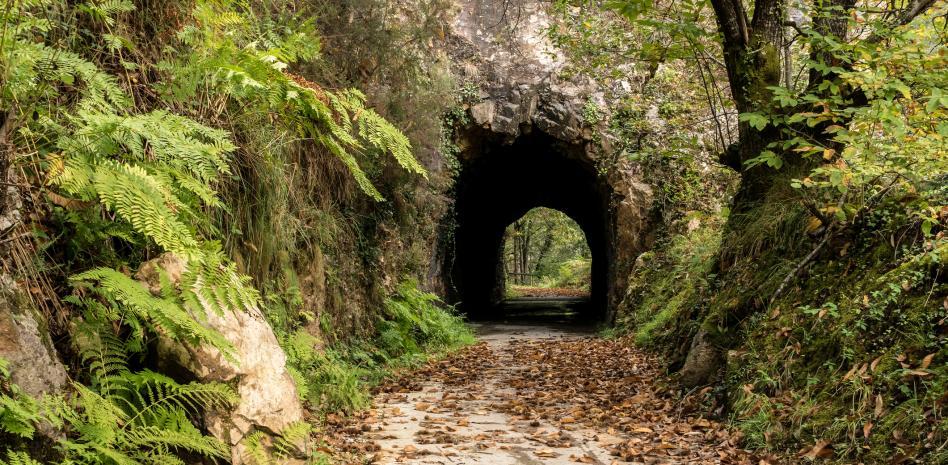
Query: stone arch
<point x="504" y="175"/>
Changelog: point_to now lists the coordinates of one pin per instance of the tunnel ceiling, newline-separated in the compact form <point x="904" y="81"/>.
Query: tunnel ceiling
<point x="497" y="185"/>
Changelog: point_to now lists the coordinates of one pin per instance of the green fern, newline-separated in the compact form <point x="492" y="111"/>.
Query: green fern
<point x="18" y="414"/>
<point x="214" y="284"/>
<point x="143" y="309"/>
<point x="105" y="356"/>
<point x="98" y="440"/>
<point x="18" y="458"/>
<point x="153" y="170"/>
<point x="227" y="56"/>
<point x="140" y="417"/>
<point x="106" y="10"/>
<point x="144" y="202"/>
<point x="293" y="439"/>
<point x="261" y="450"/>
<point x="381" y="134"/>
<point x="156" y="395"/>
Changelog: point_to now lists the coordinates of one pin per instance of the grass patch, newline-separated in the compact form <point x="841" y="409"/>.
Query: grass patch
<point x="664" y="291"/>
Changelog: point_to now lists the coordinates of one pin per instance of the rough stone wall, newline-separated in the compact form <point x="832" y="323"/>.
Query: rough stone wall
<point x="24" y="337"/>
<point x="501" y="46"/>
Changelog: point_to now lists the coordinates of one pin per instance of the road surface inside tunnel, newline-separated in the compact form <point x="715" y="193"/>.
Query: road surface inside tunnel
<point x="545" y="390"/>
<point x="542" y="311"/>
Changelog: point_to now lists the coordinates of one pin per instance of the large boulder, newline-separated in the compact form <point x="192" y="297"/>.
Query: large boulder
<point x="268" y="400"/>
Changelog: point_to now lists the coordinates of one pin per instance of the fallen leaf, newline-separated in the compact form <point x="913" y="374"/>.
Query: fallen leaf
<point x="819" y="450"/>
<point x="546" y="453"/>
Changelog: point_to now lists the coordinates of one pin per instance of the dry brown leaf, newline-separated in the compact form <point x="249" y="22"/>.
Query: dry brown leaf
<point x="819" y="450"/>
<point x="546" y="453"/>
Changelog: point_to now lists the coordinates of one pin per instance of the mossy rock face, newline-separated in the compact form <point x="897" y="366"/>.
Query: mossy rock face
<point x="667" y="287"/>
<point x="857" y="338"/>
<point x="25" y="344"/>
<point x="705" y="360"/>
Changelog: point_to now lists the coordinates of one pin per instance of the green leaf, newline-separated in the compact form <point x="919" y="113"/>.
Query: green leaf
<point x="902" y="88"/>
<point x="755" y="120"/>
<point x="767" y="157"/>
<point x="934" y="101"/>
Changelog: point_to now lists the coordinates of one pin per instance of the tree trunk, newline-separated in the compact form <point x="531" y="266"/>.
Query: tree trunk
<point x="544" y="249"/>
<point x="754" y="61"/>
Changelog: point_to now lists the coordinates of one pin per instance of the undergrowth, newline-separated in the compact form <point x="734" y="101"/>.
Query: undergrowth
<point x="339" y="377"/>
<point x="803" y="373"/>
<point x="659" y="306"/>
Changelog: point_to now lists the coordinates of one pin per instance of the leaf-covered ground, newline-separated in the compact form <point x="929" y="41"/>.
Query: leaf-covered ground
<point x="531" y="395"/>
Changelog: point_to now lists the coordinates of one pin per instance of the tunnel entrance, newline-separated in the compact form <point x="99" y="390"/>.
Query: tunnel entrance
<point x="499" y="182"/>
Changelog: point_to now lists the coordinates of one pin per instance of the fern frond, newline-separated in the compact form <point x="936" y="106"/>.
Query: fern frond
<point x="231" y="61"/>
<point x="18" y="458"/>
<point x="137" y="197"/>
<point x="18" y="414"/>
<point x="104" y="355"/>
<point x="214" y="284"/>
<point x="257" y="450"/>
<point x="291" y="438"/>
<point x="166" y="138"/>
<point x="163" y="315"/>
<point x="154" y="439"/>
<point x="157" y="394"/>
<point x="96" y="419"/>
<point x="385" y="137"/>
<point x="353" y="165"/>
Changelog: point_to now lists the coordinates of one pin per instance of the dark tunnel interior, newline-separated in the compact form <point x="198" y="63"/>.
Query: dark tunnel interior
<point x="497" y="185"/>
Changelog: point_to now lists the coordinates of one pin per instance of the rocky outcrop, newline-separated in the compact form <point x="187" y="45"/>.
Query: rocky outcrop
<point x="25" y="344"/>
<point x="703" y="362"/>
<point x="267" y="396"/>
<point x="24" y="339"/>
<point x="502" y="46"/>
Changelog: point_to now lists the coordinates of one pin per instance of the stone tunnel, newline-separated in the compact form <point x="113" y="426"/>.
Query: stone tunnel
<point x="526" y="142"/>
<point x="497" y="185"/>
<point x="503" y="176"/>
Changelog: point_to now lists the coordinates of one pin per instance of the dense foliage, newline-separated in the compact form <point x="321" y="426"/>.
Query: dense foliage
<point x="797" y="153"/>
<point x="141" y="130"/>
